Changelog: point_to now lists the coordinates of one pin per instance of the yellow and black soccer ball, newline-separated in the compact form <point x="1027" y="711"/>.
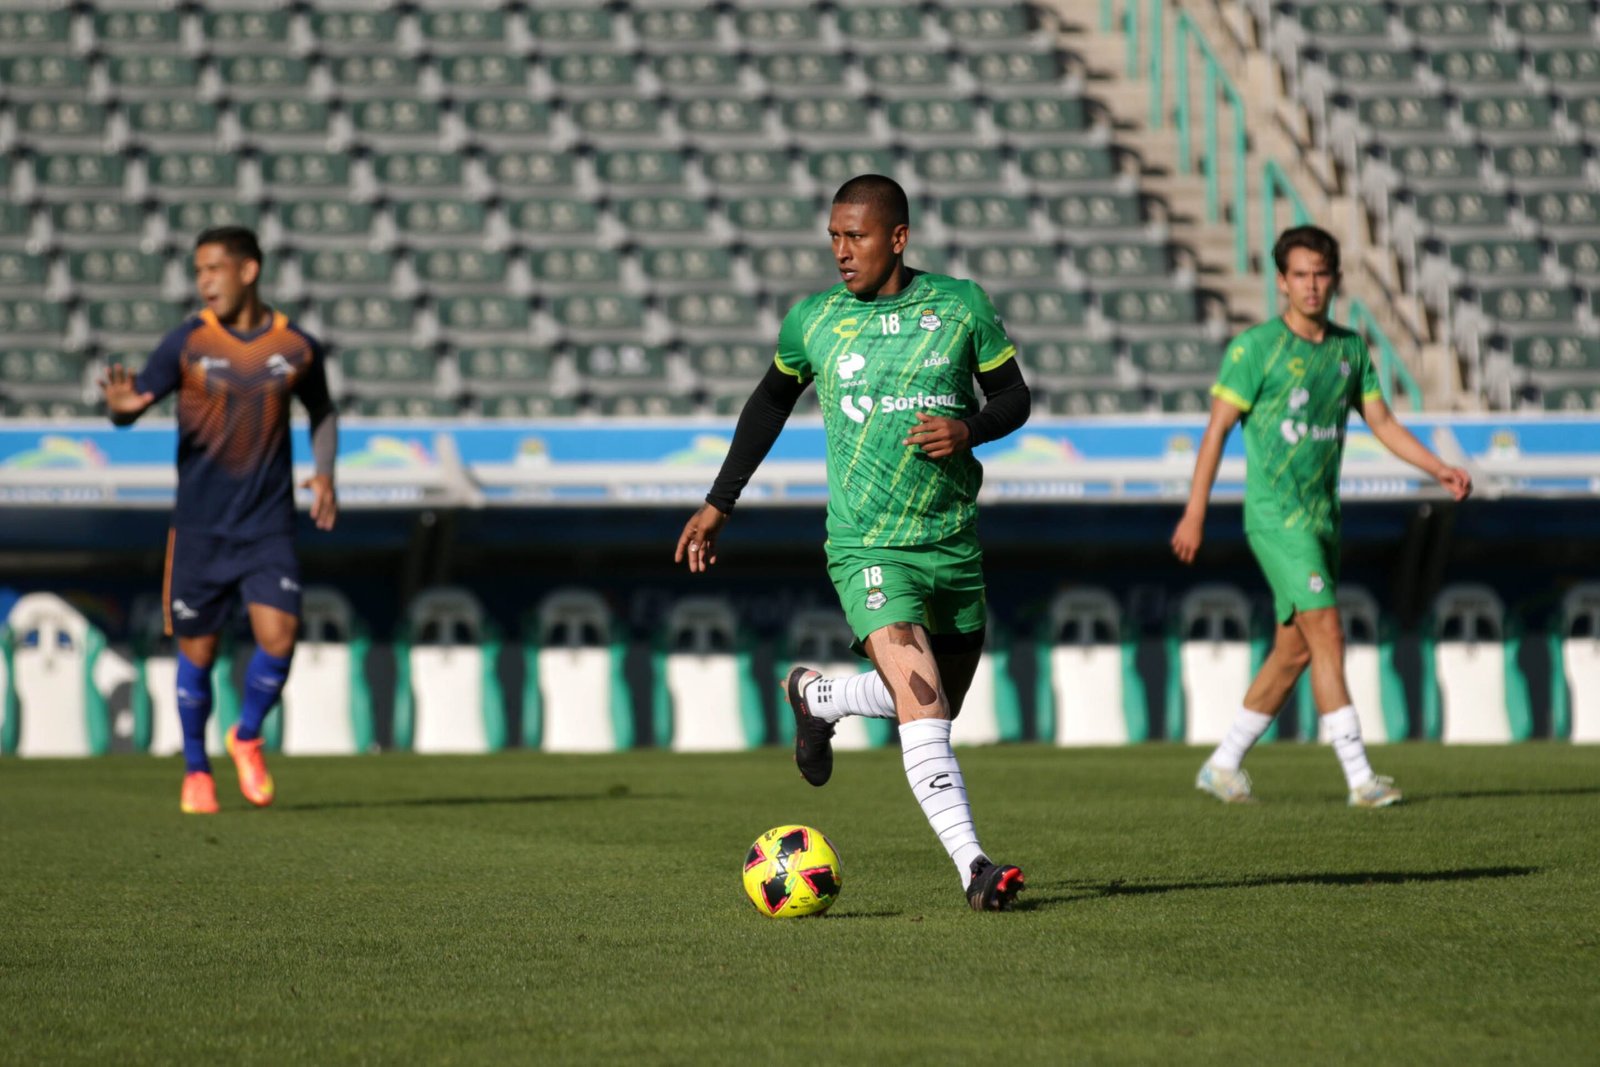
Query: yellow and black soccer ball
<point x="792" y="871"/>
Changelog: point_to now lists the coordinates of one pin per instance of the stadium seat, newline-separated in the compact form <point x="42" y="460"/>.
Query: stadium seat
<point x="820" y="638"/>
<point x="43" y="370"/>
<point x="635" y="405"/>
<point x="61" y="124"/>
<point x="156" y="74"/>
<point x="307" y="175"/>
<point x="698" y="75"/>
<point x="575" y="266"/>
<point x="779" y="27"/>
<point x="396" y="121"/>
<point x="351" y="316"/>
<point x="30" y="32"/>
<point x="899" y="72"/>
<point x="712" y="121"/>
<point x="53" y="707"/>
<point x="246" y="30"/>
<point x="44" y="75"/>
<point x="623" y="367"/>
<point x="599" y="313"/>
<point x="447" y="690"/>
<point x="1041" y="310"/>
<point x="404" y="407"/>
<point x="361" y="31"/>
<point x="97" y="224"/>
<point x="158" y="729"/>
<point x="1055" y="165"/>
<point x="644" y="167"/>
<point x="506" y="121"/>
<point x="1575" y="665"/>
<point x="1077" y="401"/>
<point x="370" y="370"/>
<point x="471" y="74"/>
<point x="284" y="120"/>
<point x="464" y="29"/>
<point x="986" y="214"/>
<point x="558" y="27"/>
<point x="1182" y="358"/>
<point x="1557" y="19"/>
<point x="595" y="74"/>
<point x="1076" y="212"/>
<point x="425" y="173"/>
<point x="773" y="219"/>
<point x="1074" y="362"/>
<point x="674" y="27"/>
<point x="327" y="704"/>
<point x="1473" y="689"/>
<point x="16" y="220"/>
<point x="1011" y="263"/>
<point x="553" y="217"/>
<point x="110" y="271"/>
<point x="521" y="403"/>
<point x="335" y="224"/>
<point x="1449" y="19"/>
<point x="1089" y="689"/>
<point x="831" y="168"/>
<point x="21" y="270"/>
<point x="986" y="21"/>
<point x="1105" y="260"/>
<point x="1182" y="399"/>
<point x="464" y="317"/>
<point x="893" y="27"/>
<point x="687" y="266"/>
<point x="1374" y="682"/>
<point x="810" y="74"/>
<point x="349" y="269"/>
<point x="823" y="120"/>
<point x="735" y="364"/>
<point x="146" y="31"/>
<point x="1213" y="651"/>
<point x="963" y="167"/>
<point x="29" y="317"/>
<point x="438" y="220"/>
<point x="267" y="72"/>
<point x="706" y="696"/>
<point x="448" y="269"/>
<point x="62" y="176"/>
<point x="1010" y="69"/>
<point x="575" y="694"/>
<point x="1033" y="118"/>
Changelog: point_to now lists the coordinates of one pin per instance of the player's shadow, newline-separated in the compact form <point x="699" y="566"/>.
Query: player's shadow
<point x="620" y="793"/>
<point x="1069" y="892"/>
<point x="1501" y="794"/>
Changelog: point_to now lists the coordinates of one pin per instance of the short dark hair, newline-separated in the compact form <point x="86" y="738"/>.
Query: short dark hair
<point x="240" y="241"/>
<point x="880" y="193"/>
<point x="1313" y="239"/>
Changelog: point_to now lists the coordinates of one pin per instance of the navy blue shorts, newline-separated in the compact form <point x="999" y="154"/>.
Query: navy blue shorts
<point x="205" y="571"/>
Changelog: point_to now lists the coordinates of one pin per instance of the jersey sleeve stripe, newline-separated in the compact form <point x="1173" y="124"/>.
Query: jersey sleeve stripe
<point x="1372" y="394"/>
<point x="790" y="371"/>
<point x="1006" y="353"/>
<point x="1222" y="391"/>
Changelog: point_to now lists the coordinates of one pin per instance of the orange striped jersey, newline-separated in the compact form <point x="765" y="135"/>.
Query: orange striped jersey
<point x="235" y="475"/>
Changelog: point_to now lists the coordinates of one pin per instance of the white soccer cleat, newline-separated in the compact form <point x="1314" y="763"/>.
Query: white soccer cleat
<point x="1230" y="787"/>
<point x="1377" y="793"/>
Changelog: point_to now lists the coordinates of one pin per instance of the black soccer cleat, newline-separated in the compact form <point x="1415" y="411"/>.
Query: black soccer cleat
<point x="994" y="885"/>
<point x="813" y="738"/>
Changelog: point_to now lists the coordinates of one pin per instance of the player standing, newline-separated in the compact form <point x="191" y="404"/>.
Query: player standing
<point x="1292" y="382"/>
<point x="893" y="352"/>
<point x="234" y="366"/>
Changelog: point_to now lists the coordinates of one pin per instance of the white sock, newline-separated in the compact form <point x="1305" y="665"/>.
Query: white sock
<point x="937" y="784"/>
<point x="1344" y="731"/>
<point x="1247" y="728"/>
<point x="831" y="699"/>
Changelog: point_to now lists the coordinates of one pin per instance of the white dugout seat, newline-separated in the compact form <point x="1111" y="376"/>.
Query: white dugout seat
<point x="1211" y="659"/>
<point x="327" y="705"/>
<point x="157" y="728"/>
<point x="575" y="695"/>
<point x="447" y="694"/>
<point x="1370" y="673"/>
<point x="53" y="707"/>
<point x="1473" y="690"/>
<point x="706" y="696"/>
<point x="821" y="639"/>
<point x="1089" y="689"/>
<point x="1575" y="665"/>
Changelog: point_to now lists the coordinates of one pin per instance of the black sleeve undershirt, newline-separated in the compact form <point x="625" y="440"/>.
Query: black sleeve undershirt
<point x="1007" y="403"/>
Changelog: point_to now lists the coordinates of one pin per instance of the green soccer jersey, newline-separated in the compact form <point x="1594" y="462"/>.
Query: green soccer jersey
<point x="876" y="363"/>
<point x="1296" y="397"/>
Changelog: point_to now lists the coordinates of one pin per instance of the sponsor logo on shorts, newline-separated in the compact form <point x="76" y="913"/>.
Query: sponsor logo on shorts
<point x="929" y="320"/>
<point x="288" y="585"/>
<point x="1317" y="584"/>
<point x="876" y="599"/>
<point x="181" y="610"/>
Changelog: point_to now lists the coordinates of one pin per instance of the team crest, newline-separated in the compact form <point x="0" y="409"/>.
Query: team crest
<point x="876" y="599"/>
<point x="929" y="320"/>
<point x="1317" y="584"/>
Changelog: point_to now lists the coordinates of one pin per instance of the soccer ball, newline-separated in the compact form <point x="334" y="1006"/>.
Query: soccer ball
<point x="792" y="871"/>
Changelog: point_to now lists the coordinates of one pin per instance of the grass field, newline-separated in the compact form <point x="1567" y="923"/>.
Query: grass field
<point x="530" y="908"/>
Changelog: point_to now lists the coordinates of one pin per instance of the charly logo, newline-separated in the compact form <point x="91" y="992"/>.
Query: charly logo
<point x="930" y="321"/>
<point x="857" y="408"/>
<point x="1316" y="583"/>
<point x="850" y="363"/>
<point x="876" y="599"/>
<point x="847" y="329"/>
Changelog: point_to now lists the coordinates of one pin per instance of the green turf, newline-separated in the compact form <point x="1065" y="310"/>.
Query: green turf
<point x="529" y="908"/>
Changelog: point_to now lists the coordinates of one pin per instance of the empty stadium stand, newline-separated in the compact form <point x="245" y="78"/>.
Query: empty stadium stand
<point x="549" y="210"/>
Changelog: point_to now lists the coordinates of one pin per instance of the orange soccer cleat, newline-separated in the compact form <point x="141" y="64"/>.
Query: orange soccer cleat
<point x="254" y="780"/>
<point x="199" y="794"/>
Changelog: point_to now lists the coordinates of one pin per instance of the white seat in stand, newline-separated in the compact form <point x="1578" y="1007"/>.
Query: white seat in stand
<point x="821" y="639"/>
<point x="448" y="697"/>
<point x="705" y="698"/>
<point x="1090" y="692"/>
<point x="54" y="709"/>
<point x="1576" y="664"/>
<point x="327" y="707"/>
<point x="1212" y="666"/>
<point x="1473" y="691"/>
<point x="576" y="696"/>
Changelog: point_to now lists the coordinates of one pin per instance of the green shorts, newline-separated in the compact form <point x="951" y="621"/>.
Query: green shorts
<point x="939" y="586"/>
<point x="1302" y="569"/>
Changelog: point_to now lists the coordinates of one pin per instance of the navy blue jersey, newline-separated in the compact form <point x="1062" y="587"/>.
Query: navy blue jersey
<point x="235" y="474"/>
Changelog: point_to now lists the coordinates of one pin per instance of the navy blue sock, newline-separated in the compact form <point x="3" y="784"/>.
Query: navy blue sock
<point x="263" y="682"/>
<point x="194" y="708"/>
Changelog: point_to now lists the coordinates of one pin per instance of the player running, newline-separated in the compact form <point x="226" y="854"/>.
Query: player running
<point x="893" y="352"/>
<point x="234" y="366"/>
<point x="1292" y="382"/>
